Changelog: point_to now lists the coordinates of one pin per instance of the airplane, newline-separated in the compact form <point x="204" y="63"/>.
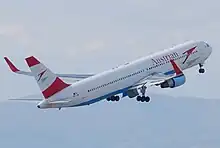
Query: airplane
<point x="161" y="69"/>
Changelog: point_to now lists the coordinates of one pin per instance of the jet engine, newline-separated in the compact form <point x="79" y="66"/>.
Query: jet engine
<point x="174" y="82"/>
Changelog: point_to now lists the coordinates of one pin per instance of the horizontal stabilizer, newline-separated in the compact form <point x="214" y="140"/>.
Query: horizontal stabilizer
<point x="29" y="98"/>
<point x="26" y="99"/>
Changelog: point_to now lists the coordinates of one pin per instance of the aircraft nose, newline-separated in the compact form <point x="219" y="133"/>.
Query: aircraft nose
<point x="209" y="50"/>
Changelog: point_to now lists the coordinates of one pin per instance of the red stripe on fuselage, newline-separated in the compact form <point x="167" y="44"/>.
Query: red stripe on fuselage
<point x="176" y="68"/>
<point x="55" y="87"/>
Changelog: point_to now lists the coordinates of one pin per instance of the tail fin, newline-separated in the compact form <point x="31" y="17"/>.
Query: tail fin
<point x="48" y="82"/>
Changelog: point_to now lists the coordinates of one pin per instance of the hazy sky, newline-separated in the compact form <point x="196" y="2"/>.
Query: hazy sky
<point x="92" y="36"/>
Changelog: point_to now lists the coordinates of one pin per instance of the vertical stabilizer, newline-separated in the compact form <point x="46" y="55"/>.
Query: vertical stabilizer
<point x="47" y="81"/>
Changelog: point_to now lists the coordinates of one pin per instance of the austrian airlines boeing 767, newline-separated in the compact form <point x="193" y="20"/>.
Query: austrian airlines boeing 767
<point x="163" y="69"/>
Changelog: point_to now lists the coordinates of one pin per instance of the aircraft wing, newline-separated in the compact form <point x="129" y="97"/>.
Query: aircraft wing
<point x="158" y="78"/>
<point x="27" y="73"/>
<point x="153" y="79"/>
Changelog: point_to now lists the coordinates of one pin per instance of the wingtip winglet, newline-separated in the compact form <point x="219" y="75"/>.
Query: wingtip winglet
<point x="32" y="61"/>
<point x="11" y="65"/>
<point x="176" y="68"/>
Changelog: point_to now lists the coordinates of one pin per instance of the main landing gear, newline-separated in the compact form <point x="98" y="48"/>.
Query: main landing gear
<point x="143" y="98"/>
<point x="201" y="69"/>
<point x="113" y="98"/>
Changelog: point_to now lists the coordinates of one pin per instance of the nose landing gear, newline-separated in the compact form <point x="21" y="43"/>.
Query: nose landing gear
<point x="201" y="69"/>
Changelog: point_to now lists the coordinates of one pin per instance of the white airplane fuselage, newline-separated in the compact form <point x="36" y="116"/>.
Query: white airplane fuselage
<point x="120" y="79"/>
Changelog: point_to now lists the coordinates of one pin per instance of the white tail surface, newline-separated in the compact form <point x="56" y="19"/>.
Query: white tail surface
<point x="48" y="82"/>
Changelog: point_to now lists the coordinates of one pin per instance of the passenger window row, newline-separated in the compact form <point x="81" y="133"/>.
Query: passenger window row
<point x="117" y="80"/>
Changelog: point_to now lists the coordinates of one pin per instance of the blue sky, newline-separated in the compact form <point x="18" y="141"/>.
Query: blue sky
<point x="92" y="36"/>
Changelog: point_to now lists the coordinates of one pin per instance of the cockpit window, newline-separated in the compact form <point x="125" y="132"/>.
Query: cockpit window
<point x="207" y="45"/>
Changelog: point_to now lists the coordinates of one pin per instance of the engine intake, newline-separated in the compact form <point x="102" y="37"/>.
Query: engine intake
<point x="174" y="82"/>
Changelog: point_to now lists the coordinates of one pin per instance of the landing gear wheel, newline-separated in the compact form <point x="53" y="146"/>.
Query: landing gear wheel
<point x="113" y="98"/>
<point x="138" y="98"/>
<point x="201" y="70"/>
<point x="143" y="99"/>
<point x="147" y="99"/>
<point x="117" y="98"/>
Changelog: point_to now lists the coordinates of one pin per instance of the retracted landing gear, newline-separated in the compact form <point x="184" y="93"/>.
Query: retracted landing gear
<point x="201" y="69"/>
<point x="143" y="98"/>
<point x="113" y="98"/>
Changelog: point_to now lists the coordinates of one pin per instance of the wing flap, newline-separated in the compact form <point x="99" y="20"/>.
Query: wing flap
<point x="153" y="79"/>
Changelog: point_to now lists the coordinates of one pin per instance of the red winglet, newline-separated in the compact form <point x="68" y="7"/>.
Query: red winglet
<point x="32" y="61"/>
<point x="176" y="68"/>
<point x="11" y="66"/>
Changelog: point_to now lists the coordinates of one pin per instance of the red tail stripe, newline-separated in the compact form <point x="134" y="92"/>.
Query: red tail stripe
<point x="55" y="87"/>
<point x="176" y="68"/>
<point x="11" y="66"/>
<point x="31" y="61"/>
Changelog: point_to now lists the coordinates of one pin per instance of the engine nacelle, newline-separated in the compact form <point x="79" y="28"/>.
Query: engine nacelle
<point x="174" y="82"/>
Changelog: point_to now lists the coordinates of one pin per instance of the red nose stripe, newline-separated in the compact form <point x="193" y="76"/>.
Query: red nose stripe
<point x="55" y="87"/>
<point x="11" y="66"/>
<point x="31" y="61"/>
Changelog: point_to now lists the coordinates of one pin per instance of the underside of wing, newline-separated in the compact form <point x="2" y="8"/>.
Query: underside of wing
<point x="153" y="79"/>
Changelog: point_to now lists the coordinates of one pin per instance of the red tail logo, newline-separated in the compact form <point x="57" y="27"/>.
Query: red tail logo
<point x="41" y="74"/>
